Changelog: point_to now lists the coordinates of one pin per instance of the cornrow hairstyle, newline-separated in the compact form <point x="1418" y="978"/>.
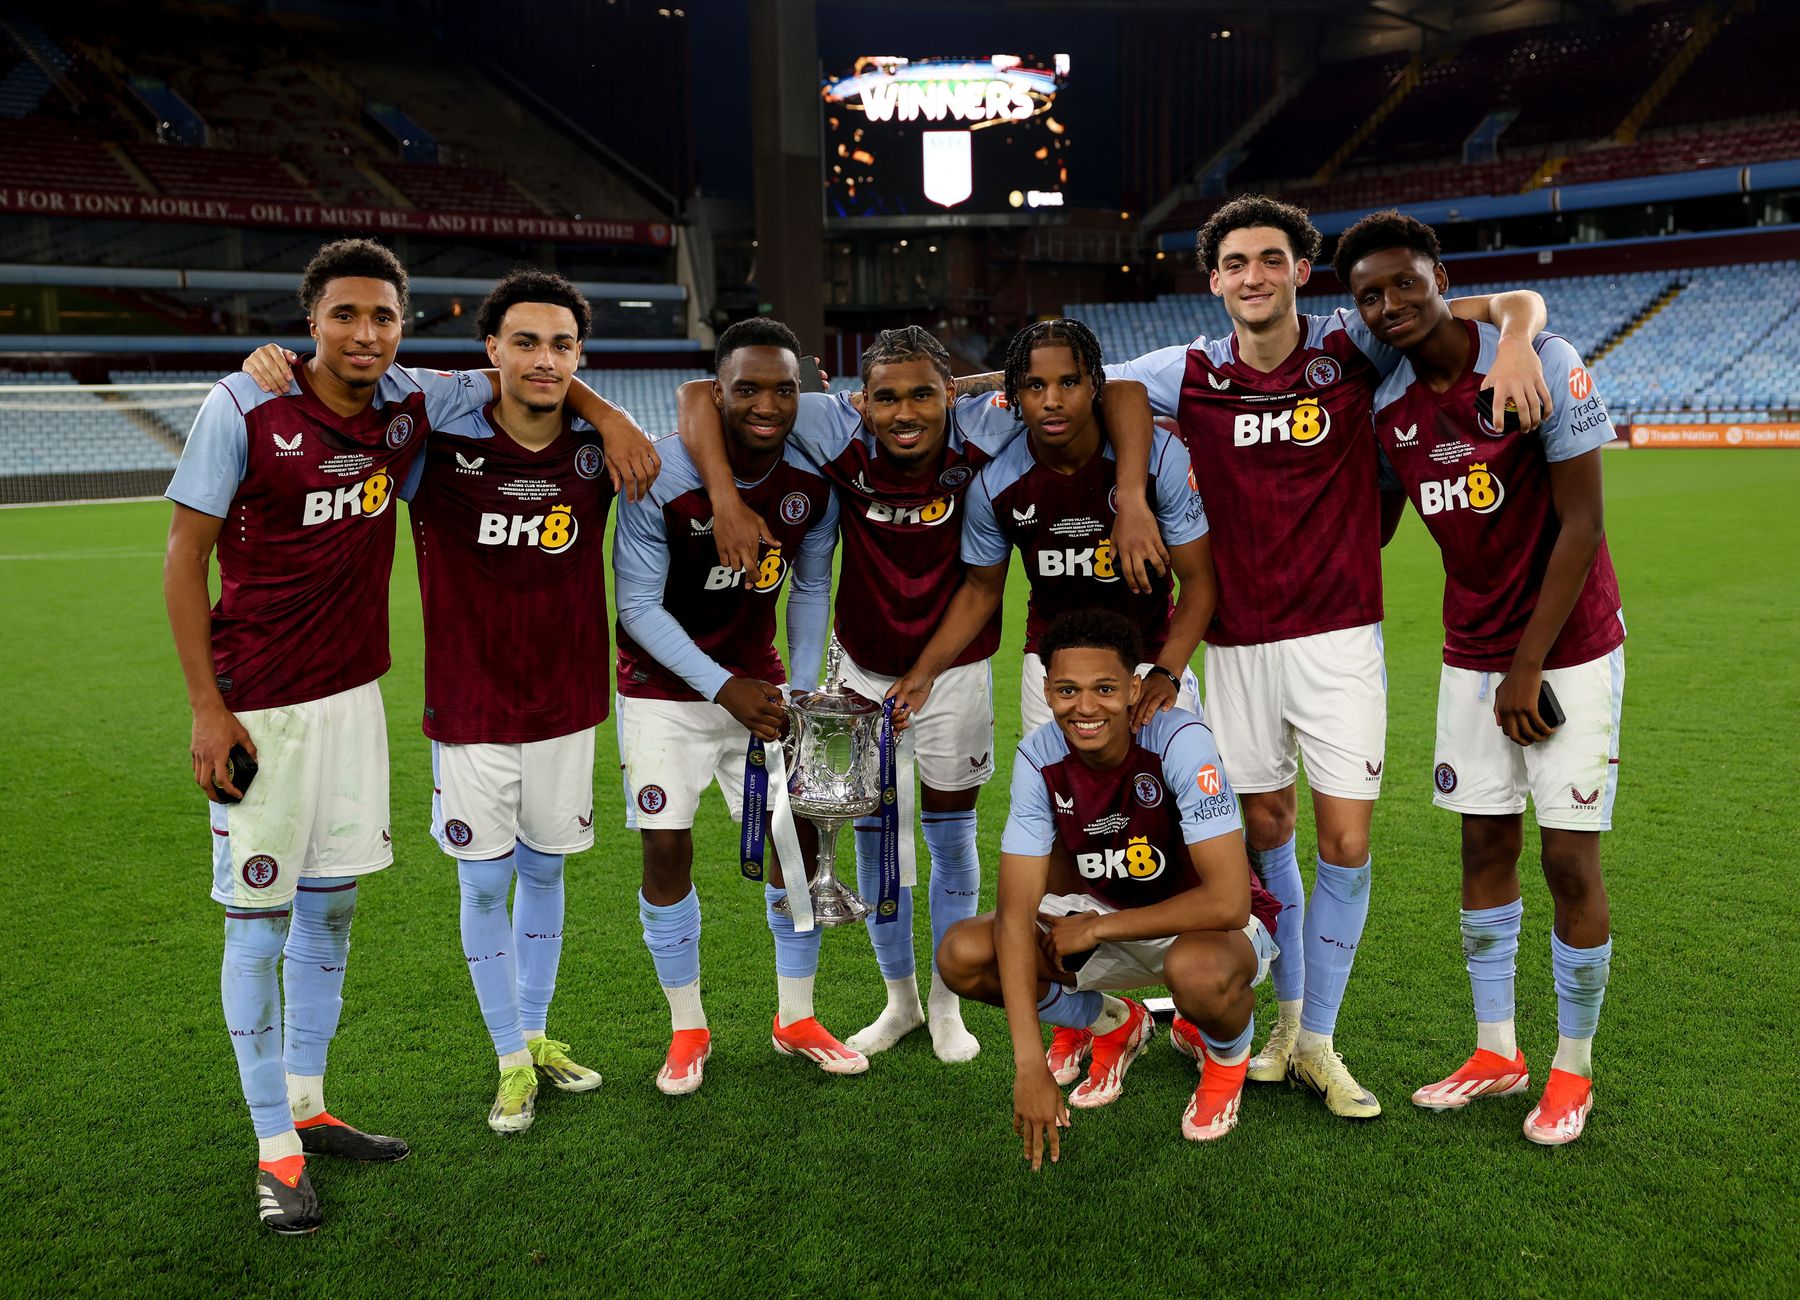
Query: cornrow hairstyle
<point x="754" y="332"/>
<point x="528" y="284"/>
<point x="1380" y="231"/>
<point x="908" y="343"/>
<point x="358" y="258"/>
<point x="1072" y="334"/>
<point x="1257" y="210"/>
<point x="1093" y="629"/>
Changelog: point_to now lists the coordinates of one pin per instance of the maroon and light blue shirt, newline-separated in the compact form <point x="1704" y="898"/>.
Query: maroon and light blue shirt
<point x="1485" y="497"/>
<point x="1126" y="829"/>
<point x="307" y="543"/>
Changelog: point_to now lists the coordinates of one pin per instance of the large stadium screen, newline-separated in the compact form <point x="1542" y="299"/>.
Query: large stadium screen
<point x="946" y="137"/>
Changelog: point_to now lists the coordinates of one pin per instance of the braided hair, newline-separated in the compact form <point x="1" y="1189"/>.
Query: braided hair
<point x="1072" y="334"/>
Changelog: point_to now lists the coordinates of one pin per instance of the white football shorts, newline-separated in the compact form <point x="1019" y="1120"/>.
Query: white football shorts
<point x="1319" y="699"/>
<point x="318" y="808"/>
<point x="1034" y="709"/>
<point x="1138" y="963"/>
<point x="487" y="796"/>
<point x="1571" y="777"/>
<point x="670" y="751"/>
<point x="953" y="736"/>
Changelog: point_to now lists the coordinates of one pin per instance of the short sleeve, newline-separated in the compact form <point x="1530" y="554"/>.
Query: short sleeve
<point x="982" y="541"/>
<point x="987" y="421"/>
<point x="1578" y="420"/>
<point x="1195" y="774"/>
<point x="825" y="425"/>
<point x="216" y="456"/>
<point x="452" y="393"/>
<point x="1161" y="373"/>
<point x="1180" y="513"/>
<point x="1030" y="829"/>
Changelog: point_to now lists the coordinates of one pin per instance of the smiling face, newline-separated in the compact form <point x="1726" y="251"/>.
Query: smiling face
<point x="1091" y="692"/>
<point x="1056" y="400"/>
<point x="1400" y="295"/>
<point x="536" y="351"/>
<point x="758" y="392"/>
<point x="356" y="324"/>
<point x="907" y="405"/>
<point x="1258" y="276"/>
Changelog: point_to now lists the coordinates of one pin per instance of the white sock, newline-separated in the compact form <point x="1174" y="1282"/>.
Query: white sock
<point x="898" y="1018"/>
<point x="793" y="998"/>
<point x="950" y="1038"/>
<point x="1306" y="1043"/>
<point x="1497" y="1036"/>
<point x="1113" y="1013"/>
<point x="279" y="1147"/>
<point x="1288" y="1012"/>
<point x="1574" y="1056"/>
<point x="306" y="1095"/>
<point x="539" y="1032"/>
<point x="1242" y="1054"/>
<point x="511" y="1060"/>
<point x="685" y="1011"/>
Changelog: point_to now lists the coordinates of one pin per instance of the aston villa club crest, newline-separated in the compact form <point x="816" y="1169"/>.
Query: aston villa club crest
<point x="260" y="871"/>
<point x="458" y="832"/>
<point x="956" y="476"/>
<point x="399" y="431"/>
<point x="795" y="507"/>
<point x="1322" y="372"/>
<point x="587" y="461"/>
<point x="651" y="799"/>
<point x="1148" y="789"/>
<point x="1445" y="778"/>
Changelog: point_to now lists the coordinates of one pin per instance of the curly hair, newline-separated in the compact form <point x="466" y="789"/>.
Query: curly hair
<point x="1380" y="231"/>
<point x="1072" y="334"/>
<point x="1093" y="629"/>
<point x="528" y="284"/>
<point x="908" y="343"/>
<point x="360" y="258"/>
<point x="1250" y="210"/>
<point x="754" y="332"/>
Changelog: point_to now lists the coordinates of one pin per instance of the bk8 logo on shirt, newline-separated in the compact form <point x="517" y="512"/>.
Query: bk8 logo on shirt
<point x="1138" y="860"/>
<point x="369" y="498"/>
<point x="551" y="533"/>
<point x="1094" y="562"/>
<point x="766" y="577"/>
<point x="1306" y="423"/>
<point x="1478" y="490"/>
<point x="929" y="515"/>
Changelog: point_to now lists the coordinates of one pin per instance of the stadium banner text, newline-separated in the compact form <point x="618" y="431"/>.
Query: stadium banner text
<point x="1715" y="435"/>
<point x="328" y="216"/>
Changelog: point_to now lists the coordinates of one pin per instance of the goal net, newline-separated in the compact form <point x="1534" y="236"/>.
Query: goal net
<point x="91" y="442"/>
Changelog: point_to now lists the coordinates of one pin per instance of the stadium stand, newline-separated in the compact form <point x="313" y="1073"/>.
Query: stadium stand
<point x="82" y="431"/>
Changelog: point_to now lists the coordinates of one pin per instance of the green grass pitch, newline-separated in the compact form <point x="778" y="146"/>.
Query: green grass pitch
<point x="126" y="1160"/>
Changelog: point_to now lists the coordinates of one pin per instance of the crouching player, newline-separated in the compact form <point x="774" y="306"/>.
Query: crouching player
<point x="1122" y="865"/>
<point x="699" y="678"/>
<point x="1531" y="625"/>
<point x="509" y="510"/>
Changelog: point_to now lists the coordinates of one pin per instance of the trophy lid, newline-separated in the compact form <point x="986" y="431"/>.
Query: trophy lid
<point x="834" y="701"/>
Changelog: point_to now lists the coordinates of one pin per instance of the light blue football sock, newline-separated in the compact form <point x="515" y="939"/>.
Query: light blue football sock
<point x="250" y="991"/>
<point x="1490" y="938"/>
<point x="796" y="955"/>
<point x="487" y="943"/>
<point x="955" y="870"/>
<point x="537" y="932"/>
<point x="1581" y="975"/>
<point x="1280" y="872"/>
<point x="894" y="941"/>
<point x="672" y="934"/>
<point x="1069" y="1009"/>
<point x="1334" y="927"/>
<point x="312" y="976"/>
<point x="1233" y="1050"/>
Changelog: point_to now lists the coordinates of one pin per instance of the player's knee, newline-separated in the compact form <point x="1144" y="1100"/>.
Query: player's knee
<point x="537" y="868"/>
<point x="1490" y="845"/>
<point x="484" y="885"/>
<point x="1268" y="823"/>
<point x="966" y="955"/>
<point x="1345" y="847"/>
<point x="1572" y="866"/>
<point x="1206" y="979"/>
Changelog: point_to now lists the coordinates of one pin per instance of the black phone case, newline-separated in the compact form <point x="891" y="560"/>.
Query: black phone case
<point x="1548" y="708"/>
<point x="240" y="770"/>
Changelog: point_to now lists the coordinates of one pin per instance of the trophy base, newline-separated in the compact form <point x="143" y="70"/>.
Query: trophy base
<point x="833" y="905"/>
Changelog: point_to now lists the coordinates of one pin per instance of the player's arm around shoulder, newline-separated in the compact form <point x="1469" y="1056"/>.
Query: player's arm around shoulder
<point x="1517" y="377"/>
<point x="739" y="532"/>
<point x="1139" y="546"/>
<point x="632" y="461"/>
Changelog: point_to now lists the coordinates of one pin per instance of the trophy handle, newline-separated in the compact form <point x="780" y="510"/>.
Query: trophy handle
<point x="790" y="740"/>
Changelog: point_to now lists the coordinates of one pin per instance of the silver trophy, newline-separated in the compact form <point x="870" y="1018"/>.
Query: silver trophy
<point x="834" y="763"/>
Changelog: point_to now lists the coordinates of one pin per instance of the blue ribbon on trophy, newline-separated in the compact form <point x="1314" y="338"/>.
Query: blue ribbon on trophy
<point x="766" y="791"/>
<point x="887" y="906"/>
<point x="756" y="804"/>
